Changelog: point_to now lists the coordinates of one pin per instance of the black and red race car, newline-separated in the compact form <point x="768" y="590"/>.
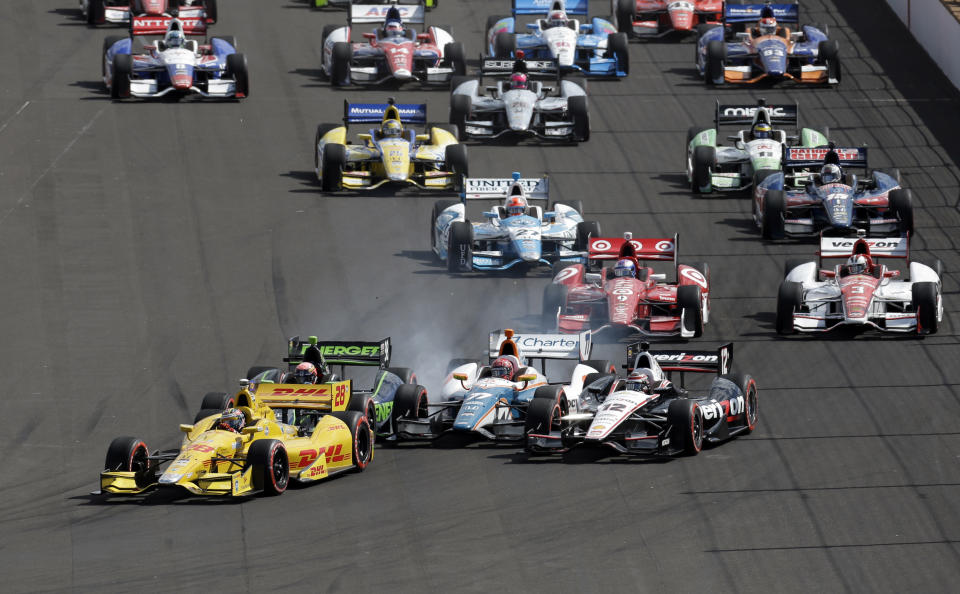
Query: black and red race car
<point x="581" y="298"/>
<point x="98" y="12"/>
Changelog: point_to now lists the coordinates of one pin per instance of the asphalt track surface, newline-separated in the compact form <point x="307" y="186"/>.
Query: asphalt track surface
<point x="153" y="251"/>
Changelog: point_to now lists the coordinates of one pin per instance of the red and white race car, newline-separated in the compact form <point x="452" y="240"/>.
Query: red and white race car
<point x="98" y="12"/>
<point x="642" y="301"/>
<point x="655" y="18"/>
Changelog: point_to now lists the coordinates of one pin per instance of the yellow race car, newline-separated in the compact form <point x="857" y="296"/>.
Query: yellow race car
<point x="274" y="433"/>
<point x="391" y="153"/>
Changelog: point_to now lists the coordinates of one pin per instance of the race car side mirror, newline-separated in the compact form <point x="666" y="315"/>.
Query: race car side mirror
<point x="252" y="430"/>
<point x="658" y="277"/>
<point x="460" y="376"/>
<point x="422" y="137"/>
<point x="490" y="214"/>
<point x="186" y="428"/>
<point x="526" y="379"/>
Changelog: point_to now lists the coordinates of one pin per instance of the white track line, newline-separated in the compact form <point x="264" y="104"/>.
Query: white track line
<point x="10" y="119"/>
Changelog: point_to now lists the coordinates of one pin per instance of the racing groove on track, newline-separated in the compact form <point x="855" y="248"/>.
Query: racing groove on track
<point x="154" y="251"/>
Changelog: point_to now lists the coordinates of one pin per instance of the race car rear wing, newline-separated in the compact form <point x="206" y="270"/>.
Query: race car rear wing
<point x="803" y="158"/>
<point x="496" y="188"/>
<point x="574" y="7"/>
<point x="496" y="66"/>
<point x="158" y="25"/>
<point x="410" y="13"/>
<point x="782" y="115"/>
<point x="342" y="352"/>
<point x="844" y="245"/>
<point x="750" y="13"/>
<point x="321" y="397"/>
<point x="541" y="346"/>
<point x="719" y="361"/>
<point x="662" y="249"/>
<point x="367" y="113"/>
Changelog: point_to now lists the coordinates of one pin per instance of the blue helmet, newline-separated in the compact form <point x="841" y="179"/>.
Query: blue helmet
<point x="625" y="267"/>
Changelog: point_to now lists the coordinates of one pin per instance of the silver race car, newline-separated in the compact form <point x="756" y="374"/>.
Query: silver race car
<point x="519" y="106"/>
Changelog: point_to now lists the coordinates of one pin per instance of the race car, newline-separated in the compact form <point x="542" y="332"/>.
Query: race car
<point x="98" y="12"/>
<point x="273" y="433"/>
<point x="489" y="401"/>
<point x="862" y="293"/>
<point x="596" y="49"/>
<point x="756" y="152"/>
<point x="391" y="153"/>
<point x="769" y="51"/>
<point x="515" y="234"/>
<point x="318" y="4"/>
<point x="646" y="414"/>
<point x="393" y="51"/>
<point x="519" y="107"/>
<point x="832" y="198"/>
<point x="173" y="64"/>
<point x="394" y="390"/>
<point x="629" y="297"/>
<point x="644" y="19"/>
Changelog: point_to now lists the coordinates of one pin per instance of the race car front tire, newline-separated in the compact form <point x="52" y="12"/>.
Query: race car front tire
<point x="460" y="107"/>
<point x="793" y="263"/>
<point x="271" y="466"/>
<point x="543" y="415"/>
<point x="686" y="419"/>
<point x="331" y="173"/>
<point x="340" y="63"/>
<point x="96" y="12"/>
<point x="410" y="402"/>
<point x="554" y="300"/>
<point x="691" y="306"/>
<point x="901" y="203"/>
<point x="585" y="231"/>
<point x="504" y="45"/>
<point x="704" y="158"/>
<point x="127" y="454"/>
<point x="438" y="207"/>
<point x="789" y="300"/>
<point x="460" y="247"/>
<point x="618" y="48"/>
<point x="107" y="44"/>
<point x="626" y="12"/>
<point x="762" y="174"/>
<point x="774" y="211"/>
<point x="714" y="67"/>
<point x="455" y="56"/>
<point x="237" y="68"/>
<point x="364" y="404"/>
<point x="925" y="304"/>
<point x="122" y="71"/>
<point x="577" y="106"/>
<point x="455" y="158"/>
<point x="362" y="440"/>
<point x="322" y="130"/>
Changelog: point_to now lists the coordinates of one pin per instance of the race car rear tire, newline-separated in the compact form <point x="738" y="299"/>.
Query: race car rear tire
<point x="362" y="440"/>
<point x="322" y="130"/>
<point x="504" y="45"/>
<point x="203" y="413"/>
<point x="604" y="366"/>
<point x="364" y="404"/>
<point x="774" y="211"/>
<point x="577" y="106"/>
<point x="122" y="71"/>
<point x="340" y="63"/>
<point x="554" y="394"/>
<point x="901" y="203"/>
<point x="460" y="108"/>
<point x="543" y="415"/>
<point x="127" y="454"/>
<point x="789" y="300"/>
<point x="554" y="300"/>
<point x="406" y="375"/>
<point x="618" y="48"/>
<point x="626" y="11"/>
<point x="96" y="12"/>
<point x="585" y="231"/>
<point x="704" y="158"/>
<point x="227" y="38"/>
<point x="217" y="400"/>
<point x="686" y="418"/>
<point x="690" y="300"/>
<point x="410" y="402"/>
<point x="828" y="52"/>
<point x="334" y="160"/>
<point x="271" y="466"/>
<point x="460" y="247"/>
<point x="576" y="205"/>
<point x="792" y="263"/>
<point x="455" y="56"/>
<point x="455" y="158"/>
<point x="716" y="56"/>
<point x="748" y="387"/>
<point x="210" y="8"/>
<point x="237" y="68"/>
<point x="438" y="207"/>
<point x="925" y="304"/>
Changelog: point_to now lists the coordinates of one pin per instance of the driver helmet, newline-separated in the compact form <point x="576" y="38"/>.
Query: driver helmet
<point x="640" y="380"/>
<point x="504" y="367"/>
<point x="174" y="38"/>
<point x="830" y="174"/>
<point x="391" y="129"/>
<point x="515" y="206"/>
<point x="557" y="18"/>
<point x="857" y="264"/>
<point x="232" y="419"/>
<point x="393" y="27"/>
<point x="761" y="130"/>
<point x="518" y="81"/>
<point x="306" y="373"/>
<point x="624" y="267"/>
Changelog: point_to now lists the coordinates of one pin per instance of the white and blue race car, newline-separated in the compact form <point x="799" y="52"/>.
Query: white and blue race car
<point x="525" y="238"/>
<point x="595" y="49"/>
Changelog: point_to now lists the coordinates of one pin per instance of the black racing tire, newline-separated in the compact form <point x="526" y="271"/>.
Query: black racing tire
<point x="748" y="387"/>
<point x="122" y="71"/>
<point x="227" y="38"/>
<point x="327" y="30"/>
<point x="456" y="81"/>
<point x="271" y="466"/>
<point x="604" y="366"/>
<point x="789" y="300"/>
<point x="577" y="106"/>
<point x="340" y="63"/>
<point x="504" y="45"/>
<point x="107" y="44"/>
<point x="455" y="56"/>
<point x="362" y="440"/>
<point x="210" y="8"/>
<point x="686" y="419"/>
<point x="554" y="299"/>
<point x="460" y="108"/>
<point x="576" y="205"/>
<point x="716" y="57"/>
<point x="237" y="68"/>
<point x="334" y="161"/>
<point x="625" y="12"/>
<point x="460" y="247"/>
<point x="455" y="159"/>
<point x="554" y="394"/>
<point x="217" y="400"/>
<point x="322" y="130"/>
<point x="127" y="454"/>
<point x="690" y="301"/>
<point x="762" y="174"/>
<point x="924" y="296"/>
<point x="406" y="375"/>
<point x="438" y="207"/>
<point x="792" y="263"/>
<point x="203" y="413"/>
<point x="774" y="211"/>
<point x="828" y="52"/>
<point x="543" y="416"/>
<point x="618" y="48"/>
<point x="585" y="231"/>
<point x="364" y="404"/>
<point x="704" y="158"/>
<point x="96" y="13"/>
<point x="692" y="131"/>
<point x="259" y="369"/>
<point x="410" y="402"/>
<point x="901" y="203"/>
<point x="893" y="172"/>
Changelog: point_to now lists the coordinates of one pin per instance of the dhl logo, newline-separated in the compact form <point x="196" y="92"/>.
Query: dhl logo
<point x="316" y="391"/>
<point x="332" y="455"/>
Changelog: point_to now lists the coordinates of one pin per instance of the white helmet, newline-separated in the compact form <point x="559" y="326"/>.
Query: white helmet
<point x="857" y="264"/>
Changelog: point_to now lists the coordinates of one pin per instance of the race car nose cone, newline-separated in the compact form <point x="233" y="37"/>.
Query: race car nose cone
<point x="182" y="81"/>
<point x="402" y="74"/>
<point x="682" y="20"/>
<point x="397" y="176"/>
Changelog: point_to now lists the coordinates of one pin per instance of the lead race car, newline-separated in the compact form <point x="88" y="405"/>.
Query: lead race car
<point x="173" y="64"/>
<point x="768" y="51"/>
<point x="519" y="107"/>
<point x="644" y="19"/>
<point x="393" y="51"/>
<point x="799" y="201"/>
<point x="629" y="297"/>
<point x="489" y="401"/>
<point x="756" y="153"/>
<point x="645" y="414"/>
<point x="596" y="49"/>
<point x="273" y="433"/>
<point x="862" y="293"/>
<point x="514" y="235"/>
<point x="389" y="154"/>
<point x="119" y="12"/>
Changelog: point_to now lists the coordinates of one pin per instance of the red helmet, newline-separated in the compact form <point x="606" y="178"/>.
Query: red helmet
<point x="515" y="205"/>
<point x="306" y="373"/>
<point x="767" y="25"/>
<point x="518" y="81"/>
<point x="557" y="18"/>
<point x="504" y="368"/>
